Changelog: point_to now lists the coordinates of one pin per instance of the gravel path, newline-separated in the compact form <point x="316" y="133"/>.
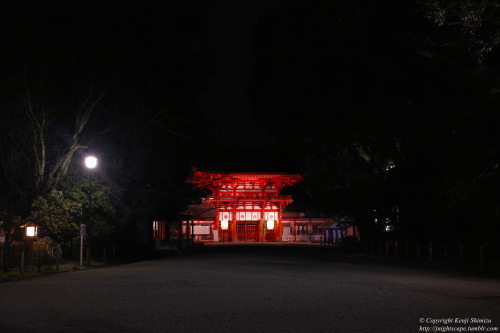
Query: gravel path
<point x="249" y="288"/>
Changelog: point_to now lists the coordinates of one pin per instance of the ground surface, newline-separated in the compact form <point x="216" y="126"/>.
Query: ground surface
<point x="250" y="288"/>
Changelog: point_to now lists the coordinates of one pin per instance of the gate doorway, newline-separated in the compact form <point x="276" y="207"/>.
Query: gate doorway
<point x="246" y="231"/>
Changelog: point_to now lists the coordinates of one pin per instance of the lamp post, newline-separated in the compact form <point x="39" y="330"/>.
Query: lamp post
<point x="90" y="163"/>
<point x="31" y="233"/>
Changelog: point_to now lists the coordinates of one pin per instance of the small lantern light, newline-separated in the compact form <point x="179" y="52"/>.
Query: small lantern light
<point x="270" y="225"/>
<point x="224" y="224"/>
<point x="31" y="231"/>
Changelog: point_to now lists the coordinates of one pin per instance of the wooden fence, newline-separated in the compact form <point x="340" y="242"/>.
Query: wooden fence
<point x="31" y="257"/>
<point x="464" y="255"/>
<point x="34" y="256"/>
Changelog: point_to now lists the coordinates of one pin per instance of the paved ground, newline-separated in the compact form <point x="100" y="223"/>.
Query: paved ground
<point x="250" y="288"/>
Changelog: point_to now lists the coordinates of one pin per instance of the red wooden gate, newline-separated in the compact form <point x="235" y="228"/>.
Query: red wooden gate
<point x="241" y="232"/>
<point x="224" y="235"/>
<point x="251" y="233"/>
<point x="271" y="235"/>
<point x="246" y="232"/>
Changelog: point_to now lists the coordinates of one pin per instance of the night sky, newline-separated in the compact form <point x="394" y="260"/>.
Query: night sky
<point x="136" y="51"/>
<point x="230" y="26"/>
<point x="111" y="43"/>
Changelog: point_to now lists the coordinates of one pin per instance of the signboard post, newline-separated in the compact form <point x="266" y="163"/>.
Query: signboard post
<point x="83" y="232"/>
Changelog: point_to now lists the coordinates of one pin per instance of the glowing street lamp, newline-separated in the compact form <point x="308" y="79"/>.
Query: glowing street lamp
<point x="90" y="162"/>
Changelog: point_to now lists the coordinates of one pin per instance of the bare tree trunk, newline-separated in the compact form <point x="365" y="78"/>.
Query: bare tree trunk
<point x="45" y="182"/>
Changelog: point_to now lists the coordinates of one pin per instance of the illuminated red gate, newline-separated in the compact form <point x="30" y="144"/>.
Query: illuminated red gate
<point x="246" y="203"/>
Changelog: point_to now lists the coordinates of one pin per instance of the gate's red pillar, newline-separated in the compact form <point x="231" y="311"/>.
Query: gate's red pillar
<point x="216" y="222"/>
<point x="280" y="226"/>
<point x="260" y="232"/>
<point x="234" y="236"/>
<point x="260" y="235"/>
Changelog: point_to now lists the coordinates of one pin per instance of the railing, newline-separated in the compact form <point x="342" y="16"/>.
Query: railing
<point x="28" y="257"/>
<point x="247" y="197"/>
<point x="450" y="253"/>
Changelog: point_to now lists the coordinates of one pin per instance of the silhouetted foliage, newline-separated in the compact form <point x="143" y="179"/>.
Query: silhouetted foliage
<point x="390" y="107"/>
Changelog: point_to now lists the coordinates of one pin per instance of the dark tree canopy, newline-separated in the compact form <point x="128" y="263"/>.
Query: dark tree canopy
<point x="392" y="113"/>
